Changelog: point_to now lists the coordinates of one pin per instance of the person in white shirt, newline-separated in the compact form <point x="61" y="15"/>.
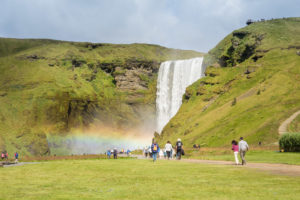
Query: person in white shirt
<point x="168" y="148"/>
<point x="243" y="148"/>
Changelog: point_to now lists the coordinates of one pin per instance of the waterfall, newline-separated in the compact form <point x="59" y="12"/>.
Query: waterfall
<point x="173" y="78"/>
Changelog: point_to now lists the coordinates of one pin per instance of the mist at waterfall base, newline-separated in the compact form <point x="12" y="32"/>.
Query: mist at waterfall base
<point x="98" y="141"/>
<point x="173" y="79"/>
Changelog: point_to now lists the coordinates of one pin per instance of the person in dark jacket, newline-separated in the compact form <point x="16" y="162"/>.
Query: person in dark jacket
<point x="115" y="153"/>
<point x="179" y="149"/>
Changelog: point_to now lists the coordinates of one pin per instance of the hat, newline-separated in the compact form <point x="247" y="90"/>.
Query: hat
<point x="178" y="139"/>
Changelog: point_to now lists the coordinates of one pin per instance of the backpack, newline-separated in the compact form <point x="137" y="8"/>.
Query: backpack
<point x="155" y="147"/>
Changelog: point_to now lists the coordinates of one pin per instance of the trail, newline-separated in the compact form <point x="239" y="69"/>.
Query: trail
<point x="283" y="128"/>
<point x="279" y="169"/>
<point x="20" y="164"/>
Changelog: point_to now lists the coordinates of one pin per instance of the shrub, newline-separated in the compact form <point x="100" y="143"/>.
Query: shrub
<point x="290" y="142"/>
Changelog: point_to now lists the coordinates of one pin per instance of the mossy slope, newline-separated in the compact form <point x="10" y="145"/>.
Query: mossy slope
<point x="54" y="87"/>
<point x="252" y="85"/>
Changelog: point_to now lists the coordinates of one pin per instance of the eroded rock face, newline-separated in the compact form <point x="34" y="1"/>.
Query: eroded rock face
<point x="133" y="79"/>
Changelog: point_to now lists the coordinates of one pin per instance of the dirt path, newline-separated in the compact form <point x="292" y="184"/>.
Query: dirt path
<point x="279" y="169"/>
<point x="283" y="128"/>
<point x="20" y="164"/>
<point x="282" y="169"/>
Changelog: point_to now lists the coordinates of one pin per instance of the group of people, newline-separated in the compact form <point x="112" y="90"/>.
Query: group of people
<point x="114" y="152"/>
<point x="242" y="147"/>
<point x="4" y="156"/>
<point x="168" y="152"/>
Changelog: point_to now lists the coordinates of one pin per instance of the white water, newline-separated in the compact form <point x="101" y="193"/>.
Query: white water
<point x="173" y="78"/>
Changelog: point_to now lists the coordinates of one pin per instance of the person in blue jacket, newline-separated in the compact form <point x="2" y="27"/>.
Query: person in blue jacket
<point x="155" y="150"/>
<point x="108" y="154"/>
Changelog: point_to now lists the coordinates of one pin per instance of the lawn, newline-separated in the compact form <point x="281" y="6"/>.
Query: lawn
<point x="141" y="179"/>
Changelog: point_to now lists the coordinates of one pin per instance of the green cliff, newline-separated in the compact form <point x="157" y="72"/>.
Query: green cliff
<point x="252" y="84"/>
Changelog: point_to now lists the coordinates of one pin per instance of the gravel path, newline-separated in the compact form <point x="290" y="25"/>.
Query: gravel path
<point x="281" y="169"/>
<point x="20" y="164"/>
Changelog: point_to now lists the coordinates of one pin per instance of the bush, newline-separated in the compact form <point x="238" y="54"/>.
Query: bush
<point x="290" y="142"/>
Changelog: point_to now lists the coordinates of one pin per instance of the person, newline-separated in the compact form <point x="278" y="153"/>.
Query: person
<point x="235" y="149"/>
<point x="243" y="148"/>
<point x="145" y="152"/>
<point x="179" y="148"/>
<point x="154" y="150"/>
<point x="6" y="156"/>
<point x="128" y="152"/>
<point x="2" y="156"/>
<point x="161" y="153"/>
<point x="115" y="153"/>
<point x="108" y="154"/>
<point x="169" y="148"/>
<point x="16" y="157"/>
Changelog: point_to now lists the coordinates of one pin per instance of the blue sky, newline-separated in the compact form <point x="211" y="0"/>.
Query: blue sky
<point x="184" y="24"/>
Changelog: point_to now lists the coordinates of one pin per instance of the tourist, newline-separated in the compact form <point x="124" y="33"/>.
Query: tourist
<point x="6" y="156"/>
<point x="2" y="155"/>
<point x="16" y="157"/>
<point x="161" y="153"/>
<point x="179" y="148"/>
<point x="235" y="148"/>
<point x="115" y="153"/>
<point x="169" y="148"/>
<point x="243" y="148"/>
<point x="128" y="152"/>
<point x="154" y="150"/>
<point x="108" y="154"/>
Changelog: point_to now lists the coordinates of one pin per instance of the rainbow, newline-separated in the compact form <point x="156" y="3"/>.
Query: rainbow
<point x="97" y="142"/>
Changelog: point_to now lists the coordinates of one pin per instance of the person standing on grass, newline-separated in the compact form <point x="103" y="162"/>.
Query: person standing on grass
<point x="243" y="148"/>
<point x="179" y="149"/>
<point x="155" y="150"/>
<point x="115" y="153"/>
<point x="108" y="154"/>
<point x="2" y="155"/>
<point x="235" y="149"/>
<point x="169" y="148"/>
<point x="16" y="157"/>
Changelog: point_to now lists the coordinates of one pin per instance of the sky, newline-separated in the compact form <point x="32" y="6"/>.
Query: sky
<point x="183" y="24"/>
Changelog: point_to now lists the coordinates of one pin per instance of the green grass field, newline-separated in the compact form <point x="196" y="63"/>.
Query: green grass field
<point x="141" y="179"/>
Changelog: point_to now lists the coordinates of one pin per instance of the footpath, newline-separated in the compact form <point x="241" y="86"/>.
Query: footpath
<point x="280" y="169"/>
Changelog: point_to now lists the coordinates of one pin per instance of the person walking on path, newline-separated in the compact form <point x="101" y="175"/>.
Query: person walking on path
<point x="235" y="149"/>
<point x="179" y="149"/>
<point x="16" y="157"/>
<point x="2" y="155"/>
<point x="115" y="153"/>
<point x="243" y="148"/>
<point x="168" y="148"/>
<point x="154" y="149"/>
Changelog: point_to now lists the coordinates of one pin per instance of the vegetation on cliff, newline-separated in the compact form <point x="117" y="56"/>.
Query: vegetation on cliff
<point x="252" y="84"/>
<point x="54" y="87"/>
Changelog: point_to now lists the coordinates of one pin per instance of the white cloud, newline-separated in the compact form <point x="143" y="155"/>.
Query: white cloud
<point x="189" y="24"/>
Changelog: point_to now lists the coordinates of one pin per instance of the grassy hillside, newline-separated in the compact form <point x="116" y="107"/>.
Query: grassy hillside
<point x="54" y="87"/>
<point x="252" y="84"/>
